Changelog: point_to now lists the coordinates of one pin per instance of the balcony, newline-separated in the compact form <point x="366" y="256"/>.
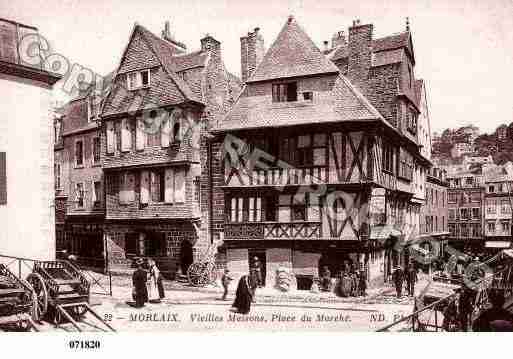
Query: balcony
<point x="272" y="230"/>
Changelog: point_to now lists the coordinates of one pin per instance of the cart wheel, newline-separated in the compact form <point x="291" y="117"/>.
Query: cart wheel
<point x="194" y="274"/>
<point x="40" y="296"/>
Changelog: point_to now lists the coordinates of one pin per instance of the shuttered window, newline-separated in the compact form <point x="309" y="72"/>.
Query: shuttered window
<point x="3" y="178"/>
<point x="126" y="136"/>
<point x="145" y="187"/>
<point x="126" y="188"/>
<point x="111" y="138"/>
<point x="79" y="153"/>
<point x="140" y="135"/>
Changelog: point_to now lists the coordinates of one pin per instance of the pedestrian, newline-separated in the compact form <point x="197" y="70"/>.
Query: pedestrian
<point x="326" y="279"/>
<point x="243" y="296"/>
<point x="411" y="279"/>
<point x="225" y="281"/>
<point x="362" y="283"/>
<point x="354" y="281"/>
<point x="256" y="272"/>
<point x="466" y="306"/>
<point x="398" y="279"/>
<point x="152" y="282"/>
<point x="496" y="318"/>
<point x="140" y="291"/>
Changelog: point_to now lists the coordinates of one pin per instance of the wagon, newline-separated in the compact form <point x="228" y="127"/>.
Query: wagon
<point x="203" y="272"/>
<point x="61" y="291"/>
<point x="16" y="301"/>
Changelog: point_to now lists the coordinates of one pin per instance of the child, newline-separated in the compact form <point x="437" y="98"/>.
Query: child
<point x="225" y="280"/>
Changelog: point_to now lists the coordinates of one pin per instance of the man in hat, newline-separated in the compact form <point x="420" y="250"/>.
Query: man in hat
<point x="256" y="272"/>
<point x="411" y="278"/>
<point x="398" y="279"/>
<point x="140" y="291"/>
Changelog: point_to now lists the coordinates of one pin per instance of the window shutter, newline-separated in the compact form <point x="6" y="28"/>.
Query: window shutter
<point x="110" y="137"/>
<point x="165" y="132"/>
<point x="126" y="138"/>
<point x="140" y="135"/>
<point x="251" y="209"/>
<point x="3" y="178"/>
<point x="258" y="209"/>
<point x="180" y="186"/>
<point x="169" y="194"/>
<point x="93" y="192"/>
<point x="155" y="187"/>
<point x="145" y="187"/>
<point x="122" y="188"/>
<point x="130" y="193"/>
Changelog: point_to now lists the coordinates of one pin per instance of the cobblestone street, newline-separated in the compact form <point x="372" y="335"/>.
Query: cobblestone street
<point x="190" y="308"/>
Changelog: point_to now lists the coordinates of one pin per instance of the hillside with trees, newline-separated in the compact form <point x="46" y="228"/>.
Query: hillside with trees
<point x="498" y="144"/>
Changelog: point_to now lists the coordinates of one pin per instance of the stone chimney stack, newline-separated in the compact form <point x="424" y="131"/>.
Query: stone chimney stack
<point x="338" y="38"/>
<point x="208" y="43"/>
<point x="251" y="53"/>
<point x="360" y="41"/>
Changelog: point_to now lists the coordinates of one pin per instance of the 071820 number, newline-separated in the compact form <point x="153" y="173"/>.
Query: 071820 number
<point x="84" y="344"/>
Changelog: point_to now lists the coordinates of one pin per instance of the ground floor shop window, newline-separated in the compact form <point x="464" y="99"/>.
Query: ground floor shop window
<point x="151" y="244"/>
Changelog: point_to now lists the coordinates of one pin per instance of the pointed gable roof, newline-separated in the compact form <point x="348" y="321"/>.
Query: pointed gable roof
<point x="292" y="54"/>
<point x="145" y="50"/>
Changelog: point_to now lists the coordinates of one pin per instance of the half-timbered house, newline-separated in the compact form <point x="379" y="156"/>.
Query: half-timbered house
<point x="314" y="164"/>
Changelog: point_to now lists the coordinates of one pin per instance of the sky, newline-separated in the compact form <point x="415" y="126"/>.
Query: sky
<point x="463" y="48"/>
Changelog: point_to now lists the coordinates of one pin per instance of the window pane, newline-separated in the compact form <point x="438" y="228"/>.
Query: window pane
<point x="303" y="141"/>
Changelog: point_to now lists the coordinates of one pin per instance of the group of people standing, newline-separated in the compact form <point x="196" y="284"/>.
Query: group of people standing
<point x="351" y="283"/>
<point x="147" y="283"/>
<point x="406" y="276"/>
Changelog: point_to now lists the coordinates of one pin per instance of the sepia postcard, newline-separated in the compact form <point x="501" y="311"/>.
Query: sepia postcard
<point x="226" y="166"/>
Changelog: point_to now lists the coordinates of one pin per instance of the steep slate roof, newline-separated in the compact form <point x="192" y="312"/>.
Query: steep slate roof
<point x="165" y="52"/>
<point x="190" y="61"/>
<point x="391" y="42"/>
<point x="342" y="103"/>
<point x="170" y="90"/>
<point x="292" y="54"/>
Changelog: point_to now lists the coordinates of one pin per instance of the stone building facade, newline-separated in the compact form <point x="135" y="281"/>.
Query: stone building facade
<point x="498" y="206"/>
<point x="154" y="149"/>
<point x="465" y="201"/>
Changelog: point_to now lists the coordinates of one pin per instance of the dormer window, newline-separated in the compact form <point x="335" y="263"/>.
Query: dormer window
<point x="285" y="92"/>
<point x="138" y="79"/>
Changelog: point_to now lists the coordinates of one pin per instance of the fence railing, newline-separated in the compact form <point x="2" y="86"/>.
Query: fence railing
<point x="417" y="320"/>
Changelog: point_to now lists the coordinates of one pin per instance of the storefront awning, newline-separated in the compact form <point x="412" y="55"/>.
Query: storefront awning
<point x="384" y="232"/>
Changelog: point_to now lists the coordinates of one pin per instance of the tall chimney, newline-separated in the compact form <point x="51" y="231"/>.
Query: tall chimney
<point x="208" y="43"/>
<point x="251" y="53"/>
<point x="360" y="41"/>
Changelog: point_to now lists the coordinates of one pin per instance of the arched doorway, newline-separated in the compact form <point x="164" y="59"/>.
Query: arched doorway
<point x="186" y="256"/>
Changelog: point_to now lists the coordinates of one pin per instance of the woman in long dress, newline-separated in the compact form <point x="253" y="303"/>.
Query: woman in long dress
<point x="243" y="295"/>
<point x="152" y="283"/>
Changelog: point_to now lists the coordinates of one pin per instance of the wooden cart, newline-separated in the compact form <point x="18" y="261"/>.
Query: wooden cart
<point x="17" y="302"/>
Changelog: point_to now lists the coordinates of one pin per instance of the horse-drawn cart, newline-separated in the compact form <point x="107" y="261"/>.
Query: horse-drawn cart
<point x="61" y="292"/>
<point x="16" y="302"/>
